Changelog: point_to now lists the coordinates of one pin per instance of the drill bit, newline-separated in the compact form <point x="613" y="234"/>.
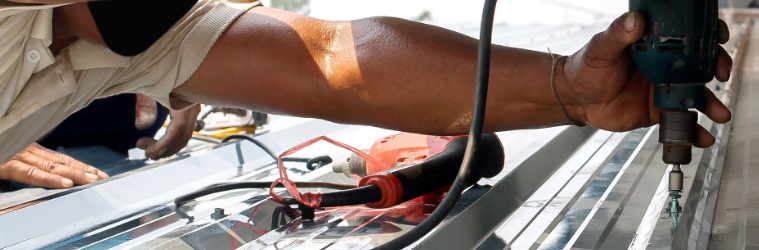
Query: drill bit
<point x="675" y="188"/>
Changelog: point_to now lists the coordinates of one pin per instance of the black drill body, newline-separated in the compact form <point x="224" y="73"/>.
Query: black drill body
<point x="678" y="55"/>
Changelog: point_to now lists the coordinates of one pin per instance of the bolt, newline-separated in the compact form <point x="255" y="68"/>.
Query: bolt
<point x="218" y="213"/>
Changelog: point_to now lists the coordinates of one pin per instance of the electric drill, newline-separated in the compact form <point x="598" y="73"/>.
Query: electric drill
<point x="678" y="55"/>
<point x="421" y="168"/>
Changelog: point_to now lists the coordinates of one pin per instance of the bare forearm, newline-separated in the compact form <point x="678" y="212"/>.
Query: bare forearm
<point x="426" y="75"/>
<point x="382" y="71"/>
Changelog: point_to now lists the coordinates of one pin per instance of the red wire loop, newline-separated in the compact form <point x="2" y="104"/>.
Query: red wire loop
<point x="309" y="199"/>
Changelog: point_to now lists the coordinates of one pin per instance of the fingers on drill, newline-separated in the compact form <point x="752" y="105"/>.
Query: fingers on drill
<point x="25" y="173"/>
<point x="715" y="109"/>
<point x="146" y="112"/>
<point x="625" y="30"/>
<point x="703" y="138"/>
<point x="724" y="32"/>
<point x="724" y="65"/>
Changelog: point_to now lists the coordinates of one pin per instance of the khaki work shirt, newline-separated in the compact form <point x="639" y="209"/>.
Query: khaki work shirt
<point x="39" y="90"/>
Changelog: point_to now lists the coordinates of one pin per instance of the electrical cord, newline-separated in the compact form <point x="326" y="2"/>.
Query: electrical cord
<point x="475" y="133"/>
<point x="222" y="187"/>
<point x="354" y="196"/>
<point x="311" y="163"/>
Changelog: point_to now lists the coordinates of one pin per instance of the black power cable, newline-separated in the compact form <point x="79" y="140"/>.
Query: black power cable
<point x="475" y="133"/>
<point x="354" y="196"/>
<point x="311" y="163"/>
<point x="179" y="201"/>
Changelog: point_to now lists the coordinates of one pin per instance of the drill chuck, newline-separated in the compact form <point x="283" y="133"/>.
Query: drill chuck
<point x="678" y="127"/>
<point x="677" y="132"/>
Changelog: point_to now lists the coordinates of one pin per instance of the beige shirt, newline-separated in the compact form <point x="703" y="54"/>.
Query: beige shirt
<point x="38" y="91"/>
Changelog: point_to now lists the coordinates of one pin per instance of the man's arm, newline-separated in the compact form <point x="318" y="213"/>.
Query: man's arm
<point x="414" y="77"/>
<point x="379" y="71"/>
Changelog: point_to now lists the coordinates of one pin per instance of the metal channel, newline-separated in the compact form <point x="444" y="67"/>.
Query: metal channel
<point x="619" y="197"/>
<point x="505" y="233"/>
<point x="551" y="215"/>
<point x="580" y="213"/>
<point x="508" y="194"/>
<point x="736" y="215"/>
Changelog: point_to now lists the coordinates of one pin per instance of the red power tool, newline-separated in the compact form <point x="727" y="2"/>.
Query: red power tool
<point x="420" y="166"/>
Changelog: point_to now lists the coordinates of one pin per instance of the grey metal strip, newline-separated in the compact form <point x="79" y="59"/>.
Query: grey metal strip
<point x="508" y="194"/>
<point x="517" y="223"/>
<point x="619" y="197"/>
<point x="575" y="221"/>
<point x="552" y="215"/>
<point x="653" y="213"/>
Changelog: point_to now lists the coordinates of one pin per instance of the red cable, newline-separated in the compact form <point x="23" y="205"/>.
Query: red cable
<point x="309" y="199"/>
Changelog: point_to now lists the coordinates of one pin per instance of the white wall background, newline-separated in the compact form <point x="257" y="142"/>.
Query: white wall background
<point x="457" y="11"/>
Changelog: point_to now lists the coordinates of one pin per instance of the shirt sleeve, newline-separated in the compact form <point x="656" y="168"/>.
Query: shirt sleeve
<point x="174" y="58"/>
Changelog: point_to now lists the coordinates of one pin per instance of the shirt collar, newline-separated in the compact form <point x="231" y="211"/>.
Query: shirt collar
<point x="42" y="26"/>
<point x="85" y="55"/>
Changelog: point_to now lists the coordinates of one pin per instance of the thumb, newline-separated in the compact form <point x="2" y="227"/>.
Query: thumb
<point x="625" y="30"/>
<point x="145" y="112"/>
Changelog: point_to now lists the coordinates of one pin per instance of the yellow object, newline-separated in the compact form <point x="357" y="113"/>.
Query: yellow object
<point x="223" y="133"/>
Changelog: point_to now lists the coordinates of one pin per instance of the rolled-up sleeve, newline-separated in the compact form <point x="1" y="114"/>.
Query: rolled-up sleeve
<point x="174" y="58"/>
